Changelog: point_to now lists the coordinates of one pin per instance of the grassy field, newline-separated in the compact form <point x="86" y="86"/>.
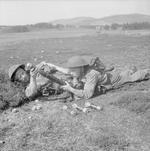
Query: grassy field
<point x="122" y="125"/>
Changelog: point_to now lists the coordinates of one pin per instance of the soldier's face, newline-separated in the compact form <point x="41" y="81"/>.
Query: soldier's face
<point x="76" y="71"/>
<point x="22" y="76"/>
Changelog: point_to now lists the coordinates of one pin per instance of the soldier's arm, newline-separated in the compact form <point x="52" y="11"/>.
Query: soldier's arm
<point x="60" y="69"/>
<point x="89" y="87"/>
<point x="31" y="89"/>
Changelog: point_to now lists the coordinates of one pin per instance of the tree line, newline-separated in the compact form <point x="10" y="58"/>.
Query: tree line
<point x="114" y="26"/>
<point x="127" y="26"/>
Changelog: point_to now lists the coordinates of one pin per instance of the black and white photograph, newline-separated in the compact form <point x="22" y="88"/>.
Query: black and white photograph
<point x="74" y="75"/>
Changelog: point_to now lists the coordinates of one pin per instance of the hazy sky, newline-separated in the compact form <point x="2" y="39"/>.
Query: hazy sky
<point x="15" y="12"/>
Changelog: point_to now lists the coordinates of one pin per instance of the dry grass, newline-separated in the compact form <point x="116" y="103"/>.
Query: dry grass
<point x="137" y="102"/>
<point x="124" y="123"/>
<point x="10" y="95"/>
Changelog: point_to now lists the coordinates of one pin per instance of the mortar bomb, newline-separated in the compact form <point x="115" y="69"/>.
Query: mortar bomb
<point x="65" y="107"/>
<point x="75" y="106"/>
<point x="90" y="105"/>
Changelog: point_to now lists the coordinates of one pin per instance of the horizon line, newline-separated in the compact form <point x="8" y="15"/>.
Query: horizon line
<point x="77" y="17"/>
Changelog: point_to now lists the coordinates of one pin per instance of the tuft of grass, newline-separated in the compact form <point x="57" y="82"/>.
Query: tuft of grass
<point x="10" y="95"/>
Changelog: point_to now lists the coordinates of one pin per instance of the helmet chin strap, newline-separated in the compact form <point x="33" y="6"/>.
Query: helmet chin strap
<point x="83" y="71"/>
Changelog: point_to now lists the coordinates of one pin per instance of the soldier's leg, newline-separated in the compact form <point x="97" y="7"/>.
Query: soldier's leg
<point x="140" y="75"/>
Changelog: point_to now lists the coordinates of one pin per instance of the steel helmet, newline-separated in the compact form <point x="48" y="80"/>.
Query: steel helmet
<point x="13" y="69"/>
<point x="76" y="61"/>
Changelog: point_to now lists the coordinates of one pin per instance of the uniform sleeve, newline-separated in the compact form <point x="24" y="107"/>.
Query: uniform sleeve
<point x="89" y="87"/>
<point x="31" y="89"/>
<point x="29" y="92"/>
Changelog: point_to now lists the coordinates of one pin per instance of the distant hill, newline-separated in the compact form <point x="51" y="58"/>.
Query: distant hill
<point x="136" y="21"/>
<point x="120" y="19"/>
<point x="75" y="21"/>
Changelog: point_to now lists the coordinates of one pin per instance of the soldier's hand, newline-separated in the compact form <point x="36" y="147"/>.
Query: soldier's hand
<point x="66" y="87"/>
<point x="33" y="73"/>
<point x="29" y="66"/>
<point x="40" y="65"/>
